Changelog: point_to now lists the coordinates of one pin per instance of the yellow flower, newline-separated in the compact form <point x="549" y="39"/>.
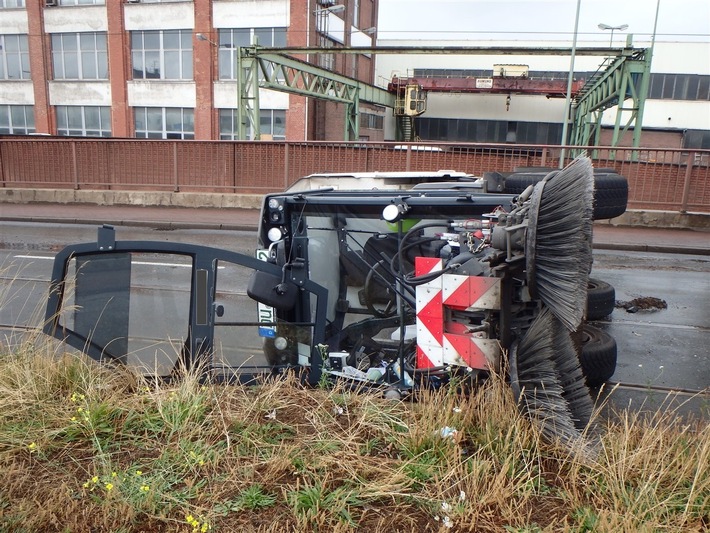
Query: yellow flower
<point x="86" y="485"/>
<point x="191" y="520"/>
<point x="108" y="486"/>
<point x="73" y="419"/>
<point x="114" y="474"/>
<point x="80" y="410"/>
<point x="95" y="479"/>
<point x="32" y="446"/>
<point x="205" y="527"/>
<point x="145" y="488"/>
<point x="139" y="473"/>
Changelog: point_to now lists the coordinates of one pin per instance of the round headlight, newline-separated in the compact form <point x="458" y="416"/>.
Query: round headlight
<point x="275" y="234"/>
<point x="273" y="203"/>
<point x="391" y="213"/>
<point x="280" y="343"/>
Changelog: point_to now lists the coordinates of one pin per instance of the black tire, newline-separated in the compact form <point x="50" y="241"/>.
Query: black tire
<point x="611" y="194"/>
<point x="611" y="191"/>
<point x="601" y="299"/>
<point x="604" y="170"/>
<point x="519" y="181"/>
<point x="534" y="169"/>
<point x="598" y="355"/>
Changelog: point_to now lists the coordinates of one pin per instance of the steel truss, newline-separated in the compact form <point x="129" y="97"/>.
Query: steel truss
<point x="624" y="84"/>
<point x="627" y="77"/>
<point x="268" y="70"/>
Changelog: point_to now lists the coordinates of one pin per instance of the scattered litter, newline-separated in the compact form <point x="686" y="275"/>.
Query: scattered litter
<point x="644" y="303"/>
<point x="352" y="372"/>
<point x="271" y="415"/>
<point x="447" y="432"/>
<point x="457" y="409"/>
<point x="337" y="410"/>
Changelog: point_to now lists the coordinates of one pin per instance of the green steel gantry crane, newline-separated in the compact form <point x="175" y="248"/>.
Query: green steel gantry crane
<point x="623" y="83"/>
<point x="260" y="67"/>
<point x="626" y="77"/>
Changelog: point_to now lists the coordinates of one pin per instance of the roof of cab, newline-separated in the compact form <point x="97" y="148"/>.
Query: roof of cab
<point x="378" y="180"/>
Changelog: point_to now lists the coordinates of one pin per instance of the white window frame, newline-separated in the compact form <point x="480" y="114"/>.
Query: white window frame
<point x="149" y="114"/>
<point x="184" y="51"/>
<point x="12" y="111"/>
<point x="21" y="57"/>
<point x="267" y="120"/>
<point x="228" y="49"/>
<point x="104" y="129"/>
<point x="11" y="4"/>
<point x="96" y="54"/>
<point x="82" y="2"/>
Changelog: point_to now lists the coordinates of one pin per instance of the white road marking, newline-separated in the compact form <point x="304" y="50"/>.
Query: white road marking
<point x="147" y="263"/>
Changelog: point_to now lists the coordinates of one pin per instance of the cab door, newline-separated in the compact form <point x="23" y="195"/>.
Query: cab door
<point x="160" y="307"/>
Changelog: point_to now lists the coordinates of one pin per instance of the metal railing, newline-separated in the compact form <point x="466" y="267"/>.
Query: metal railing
<point x="659" y="179"/>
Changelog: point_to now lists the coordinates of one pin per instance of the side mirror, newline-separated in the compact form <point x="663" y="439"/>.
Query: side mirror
<point x="270" y="290"/>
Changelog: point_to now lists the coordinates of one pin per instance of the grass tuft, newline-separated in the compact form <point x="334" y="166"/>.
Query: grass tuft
<point x="85" y="447"/>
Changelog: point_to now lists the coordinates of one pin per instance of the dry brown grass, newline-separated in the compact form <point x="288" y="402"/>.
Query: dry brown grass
<point x="87" y="448"/>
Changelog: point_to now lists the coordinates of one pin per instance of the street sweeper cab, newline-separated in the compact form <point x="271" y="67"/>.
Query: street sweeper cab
<point x="390" y="282"/>
<point x="433" y="280"/>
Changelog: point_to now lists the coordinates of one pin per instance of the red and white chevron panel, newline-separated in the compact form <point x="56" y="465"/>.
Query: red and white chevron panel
<point x="441" y="343"/>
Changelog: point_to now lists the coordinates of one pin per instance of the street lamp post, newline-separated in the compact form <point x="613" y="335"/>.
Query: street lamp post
<point x="603" y="26"/>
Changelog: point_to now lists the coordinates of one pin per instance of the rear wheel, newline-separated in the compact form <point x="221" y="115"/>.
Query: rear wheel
<point x="611" y="194"/>
<point x="598" y="355"/>
<point x="601" y="299"/>
<point x="611" y="191"/>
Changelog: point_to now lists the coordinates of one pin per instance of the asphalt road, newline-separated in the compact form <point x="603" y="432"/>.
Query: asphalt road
<point x="659" y="350"/>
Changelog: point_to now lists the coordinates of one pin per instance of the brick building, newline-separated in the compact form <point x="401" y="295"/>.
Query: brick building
<point x="168" y="68"/>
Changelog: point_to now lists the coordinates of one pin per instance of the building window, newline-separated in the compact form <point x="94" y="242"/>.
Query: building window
<point x="14" y="57"/>
<point x="164" y="122"/>
<point x="372" y="121"/>
<point x="680" y="87"/>
<point x="9" y="4"/>
<point x="84" y="121"/>
<point x="164" y="54"/>
<point x="79" y="56"/>
<point x="17" y="119"/>
<point x="696" y="139"/>
<point x="326" y="61"/>
<point x="81" y="2"/>
<point x="272" y="123"/>
<point x="231" y="39"/>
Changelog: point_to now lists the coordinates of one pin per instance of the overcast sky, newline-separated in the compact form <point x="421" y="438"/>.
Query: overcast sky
<point x="678" y="20"/>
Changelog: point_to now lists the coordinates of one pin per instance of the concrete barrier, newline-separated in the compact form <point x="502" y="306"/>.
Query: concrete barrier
<point x="133" y="198"/>
<point x="645" y="218"/>
<point x="661" y="219"/>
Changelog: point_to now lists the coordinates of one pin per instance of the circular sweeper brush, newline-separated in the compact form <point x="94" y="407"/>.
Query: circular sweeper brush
<point x="544" y="365"/>
<point x="558" y="242"/>
<point x="548" y="383"/>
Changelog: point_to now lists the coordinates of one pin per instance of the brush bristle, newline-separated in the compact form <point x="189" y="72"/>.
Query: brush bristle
<point x="559" y="241"/>
<point x="548" y="382"/>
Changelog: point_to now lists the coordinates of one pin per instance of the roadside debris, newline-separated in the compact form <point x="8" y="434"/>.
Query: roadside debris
<point x="645" y="303"/>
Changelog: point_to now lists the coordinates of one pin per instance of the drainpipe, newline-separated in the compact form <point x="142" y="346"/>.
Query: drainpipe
<point x="308" y="60"/>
